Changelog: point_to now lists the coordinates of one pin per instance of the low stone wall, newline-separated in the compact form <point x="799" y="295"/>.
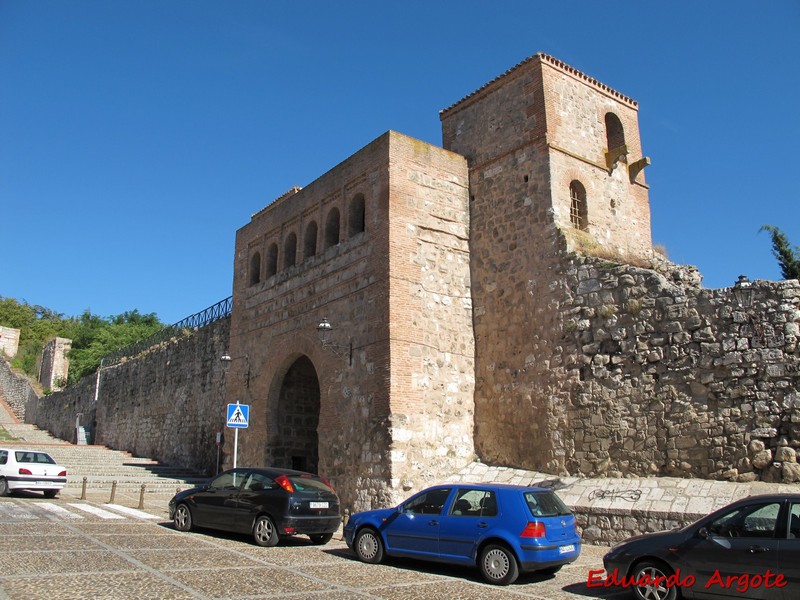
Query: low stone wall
<point x="608" y="526"/>
<point x="16" y="390"/>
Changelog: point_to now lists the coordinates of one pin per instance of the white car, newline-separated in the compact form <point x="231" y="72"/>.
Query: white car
<point x="30" y="470"/>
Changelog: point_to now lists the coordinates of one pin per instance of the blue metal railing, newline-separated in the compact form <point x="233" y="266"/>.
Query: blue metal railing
<point x="218" y="311"/>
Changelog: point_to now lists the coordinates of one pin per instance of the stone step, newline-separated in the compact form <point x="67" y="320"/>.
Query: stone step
<point x="100" y="467"/>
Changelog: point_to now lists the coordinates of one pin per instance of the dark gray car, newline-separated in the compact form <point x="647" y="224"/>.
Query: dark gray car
<point x="748" y="549"/>
<point x="268" y="504"/>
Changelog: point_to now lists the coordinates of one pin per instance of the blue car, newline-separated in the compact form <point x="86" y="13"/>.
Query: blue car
<point x="501" y="529"/>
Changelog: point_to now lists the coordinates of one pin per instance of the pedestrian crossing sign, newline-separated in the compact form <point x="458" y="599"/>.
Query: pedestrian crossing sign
<point x="238" y="415"/>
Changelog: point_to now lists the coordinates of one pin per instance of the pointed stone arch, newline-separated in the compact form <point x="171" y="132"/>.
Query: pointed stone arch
<point x="293" y="417"/>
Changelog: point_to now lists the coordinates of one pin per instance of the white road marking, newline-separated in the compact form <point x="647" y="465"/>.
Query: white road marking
<point x="58" y="510"/>
<point x="132" y="511"/>
<point x="98" y="512"/>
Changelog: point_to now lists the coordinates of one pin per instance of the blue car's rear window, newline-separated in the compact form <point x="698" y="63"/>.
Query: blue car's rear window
<point x="546" y="504"/>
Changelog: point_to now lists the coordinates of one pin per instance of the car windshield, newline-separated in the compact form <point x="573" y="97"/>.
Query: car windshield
<point x="545" y="504"/>
<point x="309" y="483"/>
<point x="34" y="457"/>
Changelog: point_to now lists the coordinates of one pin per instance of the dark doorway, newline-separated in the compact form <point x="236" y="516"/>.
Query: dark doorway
<point x="294" y="443"/>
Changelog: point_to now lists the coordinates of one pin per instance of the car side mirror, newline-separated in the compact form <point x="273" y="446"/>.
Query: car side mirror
<point x="703" y="533"/>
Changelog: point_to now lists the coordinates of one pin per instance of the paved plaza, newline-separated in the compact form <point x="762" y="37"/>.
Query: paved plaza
<point x="71" y="548"/>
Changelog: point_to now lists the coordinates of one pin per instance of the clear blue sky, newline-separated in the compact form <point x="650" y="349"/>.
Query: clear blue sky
<point x="137" y="137"/>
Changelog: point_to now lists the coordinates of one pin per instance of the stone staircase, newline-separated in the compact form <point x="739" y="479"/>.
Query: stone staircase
<point x="101" y="466"/>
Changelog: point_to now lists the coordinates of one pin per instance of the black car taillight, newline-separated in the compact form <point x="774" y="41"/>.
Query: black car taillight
<point x="284" y="482"/>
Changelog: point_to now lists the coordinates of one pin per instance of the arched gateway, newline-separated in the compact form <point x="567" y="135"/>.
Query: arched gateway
<point x="293" y="441"/>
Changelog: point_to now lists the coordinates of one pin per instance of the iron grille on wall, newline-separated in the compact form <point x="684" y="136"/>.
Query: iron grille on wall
<point x="220" y="310"/>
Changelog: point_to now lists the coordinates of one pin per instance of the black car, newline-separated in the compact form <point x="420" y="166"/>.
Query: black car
<point x="748" y="549"/>
<point x="267" y="503"/>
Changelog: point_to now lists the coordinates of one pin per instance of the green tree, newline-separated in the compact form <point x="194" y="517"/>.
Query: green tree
<point x="92" y="337"/>
<point x="788" y="257"/>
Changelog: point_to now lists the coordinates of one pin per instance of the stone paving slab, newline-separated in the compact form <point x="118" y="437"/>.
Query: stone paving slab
<point x="48" y="555"/>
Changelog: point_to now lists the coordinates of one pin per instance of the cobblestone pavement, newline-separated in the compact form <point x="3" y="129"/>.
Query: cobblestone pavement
<point x="84" y="548"/>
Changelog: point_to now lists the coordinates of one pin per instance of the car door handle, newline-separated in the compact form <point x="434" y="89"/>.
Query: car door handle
<point x="433" y="522"/>
<point x="756" y="549"/>
<point x="483" y="525"/>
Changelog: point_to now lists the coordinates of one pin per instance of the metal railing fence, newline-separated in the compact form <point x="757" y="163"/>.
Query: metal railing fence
<point x="218" y="311"/>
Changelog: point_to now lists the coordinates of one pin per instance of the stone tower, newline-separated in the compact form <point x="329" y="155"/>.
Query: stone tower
<point x="555" y="166"/>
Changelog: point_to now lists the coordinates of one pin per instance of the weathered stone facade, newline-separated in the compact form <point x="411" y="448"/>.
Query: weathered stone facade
<point x="674" y="379"/>
<point x="378" y="245"/>
<point x="54" y="364"/>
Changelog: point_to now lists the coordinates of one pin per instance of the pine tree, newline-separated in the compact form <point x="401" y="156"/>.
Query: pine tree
<point x="788" y="257"/>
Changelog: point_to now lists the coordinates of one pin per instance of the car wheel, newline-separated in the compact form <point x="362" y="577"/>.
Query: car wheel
<point x="3" y="487"/>
<point x="264" y="532"/>
<point x="655" y="573"/>
<point x="50" y="493"/>
<point x="498" y="565"/>
<point x="321" y="539"/>
<point x="368" y="546"/>
<point x="182" y="518"/>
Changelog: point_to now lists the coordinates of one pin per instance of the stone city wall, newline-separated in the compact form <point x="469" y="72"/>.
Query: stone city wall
<point x="60" y="412"/>
<point x="655" y="376"/>
<point x="167" y="403"/>
<point x="16" y="390"/>
<point x="670" y="378"/>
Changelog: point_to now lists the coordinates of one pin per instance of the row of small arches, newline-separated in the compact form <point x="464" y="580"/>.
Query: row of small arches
<point x="356" y="223"/>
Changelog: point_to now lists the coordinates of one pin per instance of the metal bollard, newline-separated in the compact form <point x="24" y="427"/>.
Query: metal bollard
<point x="83" y="489"/>
<point x="113" y="491"/>
<point x="141" y="497"/>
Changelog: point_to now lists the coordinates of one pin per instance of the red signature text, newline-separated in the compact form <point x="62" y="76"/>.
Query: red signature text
<point x="741" y="583"/>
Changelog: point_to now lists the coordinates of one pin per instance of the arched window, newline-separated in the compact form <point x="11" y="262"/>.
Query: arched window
<point x="615" y="134"/>
<point x="332" y="228"/>
<point x="357" y="218"/>
<point x="290" y="251"/>
<point x="272" y="260"/>
<point x="255" y="268"/>
<point x="577" y="206"/>
<point x="310" y="241"/>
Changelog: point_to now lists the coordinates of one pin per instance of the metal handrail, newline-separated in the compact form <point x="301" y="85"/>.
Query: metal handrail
<point x="218" y="311"/>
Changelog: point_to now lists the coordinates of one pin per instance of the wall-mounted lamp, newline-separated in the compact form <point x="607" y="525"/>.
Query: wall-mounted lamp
<point x="324" y="330"/>
<point x="743" y="292"/>
<point x="226" y="358"/>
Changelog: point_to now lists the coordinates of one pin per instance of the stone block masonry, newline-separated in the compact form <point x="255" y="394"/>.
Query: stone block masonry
<point x="167" y="403"/>
<point x="16" y="390"/>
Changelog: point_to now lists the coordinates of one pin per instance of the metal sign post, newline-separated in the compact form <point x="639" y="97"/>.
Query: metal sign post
<point x="238" y="417"/>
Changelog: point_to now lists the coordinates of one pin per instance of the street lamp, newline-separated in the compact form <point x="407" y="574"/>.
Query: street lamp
<point x="743" y="292"/>
<point x="226" y="358"/>
<point x="324" y="330"/>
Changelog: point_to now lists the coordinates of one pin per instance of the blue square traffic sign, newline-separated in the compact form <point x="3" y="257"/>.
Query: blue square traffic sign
<point x="238" y="415"/>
